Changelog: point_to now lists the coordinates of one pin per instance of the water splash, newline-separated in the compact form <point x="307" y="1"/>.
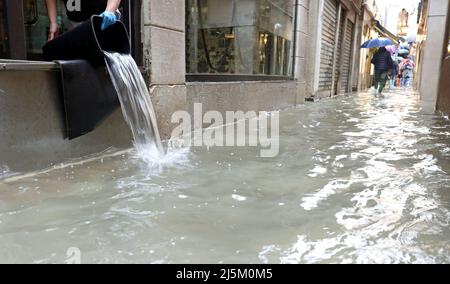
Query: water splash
<point x="177" y="156"/>
<point x="136" y="105"/>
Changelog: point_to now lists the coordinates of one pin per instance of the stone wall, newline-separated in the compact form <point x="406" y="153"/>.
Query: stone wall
<point x="32" y="123"/>
<point x="164" y="58"/>
<point x="433" y="53"/>
<point x="444" y="88"/>
<point x="303" y="38"/>
<point x="243" y="96"/>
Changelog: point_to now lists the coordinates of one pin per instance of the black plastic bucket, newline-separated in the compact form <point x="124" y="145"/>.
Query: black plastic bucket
<point x="87" y="41"/>
<point x="88" y="93"/>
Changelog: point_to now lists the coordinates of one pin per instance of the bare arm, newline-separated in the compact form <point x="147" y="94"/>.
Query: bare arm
<point x="113" y="5"/>
<point x="52" y="15"/>
<point x="51" y="10"/>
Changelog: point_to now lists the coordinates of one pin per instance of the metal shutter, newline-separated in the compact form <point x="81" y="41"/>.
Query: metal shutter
<point x="337" y="70"/>
<point x="347" y="57"/>
<point x="327" y="48"/>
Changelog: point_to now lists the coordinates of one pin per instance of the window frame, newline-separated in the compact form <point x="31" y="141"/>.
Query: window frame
<point x="206" y="77"/>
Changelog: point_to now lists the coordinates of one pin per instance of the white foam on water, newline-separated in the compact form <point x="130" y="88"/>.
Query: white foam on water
<point x="156" y="161"/>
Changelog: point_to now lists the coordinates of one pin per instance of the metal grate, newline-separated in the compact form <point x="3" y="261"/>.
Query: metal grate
<point x="327" y="48"/>
<point x="346" y="57"/>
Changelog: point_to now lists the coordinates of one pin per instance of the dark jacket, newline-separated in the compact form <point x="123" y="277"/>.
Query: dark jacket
<point x="382" y="61"/>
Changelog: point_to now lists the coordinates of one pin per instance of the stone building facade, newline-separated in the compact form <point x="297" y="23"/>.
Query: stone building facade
<point x="434" y="52"/>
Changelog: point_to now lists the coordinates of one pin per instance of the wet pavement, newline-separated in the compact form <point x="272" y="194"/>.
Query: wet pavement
<point x="359" y="179"/>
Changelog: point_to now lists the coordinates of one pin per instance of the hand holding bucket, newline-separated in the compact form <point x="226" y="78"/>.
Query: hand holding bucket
<point x="109" y="19"/>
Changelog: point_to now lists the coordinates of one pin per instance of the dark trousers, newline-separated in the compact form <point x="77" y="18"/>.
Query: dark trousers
<point x="381" y="77"/>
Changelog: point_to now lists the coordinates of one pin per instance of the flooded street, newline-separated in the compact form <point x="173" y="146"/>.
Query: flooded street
<point x="359" y="179"/>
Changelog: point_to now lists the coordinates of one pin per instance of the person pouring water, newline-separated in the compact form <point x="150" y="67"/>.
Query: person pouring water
<point x="79" y="11"/>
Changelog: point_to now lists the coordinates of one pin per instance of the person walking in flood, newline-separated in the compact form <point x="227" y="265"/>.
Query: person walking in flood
<point x="81" y="10"/>
<point x="406" y="71"/>
<point x="384" y="64"/>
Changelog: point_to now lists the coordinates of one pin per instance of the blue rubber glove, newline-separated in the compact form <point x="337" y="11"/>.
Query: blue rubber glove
<point x="109" y="19"/>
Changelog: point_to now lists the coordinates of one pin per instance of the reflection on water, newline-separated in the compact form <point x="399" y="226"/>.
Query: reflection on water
<point x="358" y="179"/>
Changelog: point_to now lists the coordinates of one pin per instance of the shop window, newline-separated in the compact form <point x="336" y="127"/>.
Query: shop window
<point x="240" y="37"/>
